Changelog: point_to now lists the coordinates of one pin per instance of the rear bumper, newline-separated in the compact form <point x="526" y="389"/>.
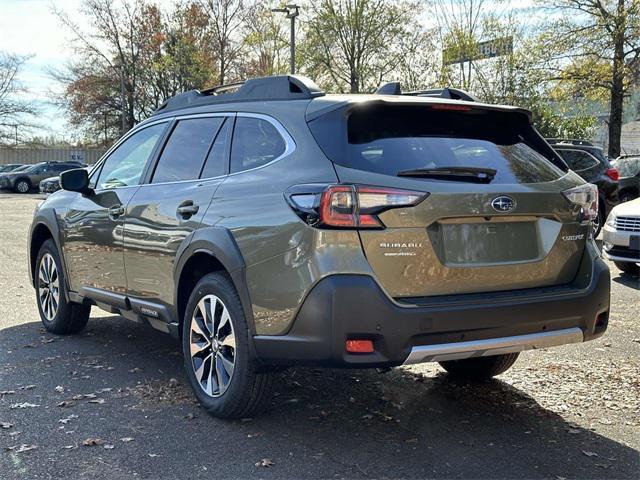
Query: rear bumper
<point x="343" y="307"/>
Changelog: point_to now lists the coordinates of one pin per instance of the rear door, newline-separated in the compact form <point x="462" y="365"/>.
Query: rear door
<point x="514" y="230"/>
<point x="172" y="202"/>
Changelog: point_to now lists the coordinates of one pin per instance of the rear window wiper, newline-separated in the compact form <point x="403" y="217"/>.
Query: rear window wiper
<point x="461" y="174"/>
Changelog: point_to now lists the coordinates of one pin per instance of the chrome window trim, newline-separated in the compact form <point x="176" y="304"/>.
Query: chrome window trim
<point x="290" y="144"/>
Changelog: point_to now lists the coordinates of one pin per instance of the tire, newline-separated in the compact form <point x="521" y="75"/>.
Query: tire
<point x="598" y="222"/>
<point x="235" y="389"/>
<point x="480" y="368"/>
<point x="22" y="186"/>
<point x="58" y="315"/>
<point x="628" y="267"/>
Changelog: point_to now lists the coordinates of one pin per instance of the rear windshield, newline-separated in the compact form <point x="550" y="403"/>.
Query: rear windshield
<point x="389" y="139"/>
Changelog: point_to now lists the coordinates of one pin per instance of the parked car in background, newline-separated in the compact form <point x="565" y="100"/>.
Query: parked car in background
<point x="590" y="162"/>
<point x="279" y="226"/>
<point x="629" y="182"/>
<point x="52" y="184"/>
<point x="9" y="167"/>
<point x="622" y="237"/>
<point x="24" y="180"/>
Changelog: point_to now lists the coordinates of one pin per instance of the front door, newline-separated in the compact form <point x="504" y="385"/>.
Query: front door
<point x="92" y="225"/>
<point x="167" y="208"/>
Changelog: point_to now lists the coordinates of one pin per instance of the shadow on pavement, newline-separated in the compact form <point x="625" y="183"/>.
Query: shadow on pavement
<point x="321" y="423"/>
<point x="625" y="279"/>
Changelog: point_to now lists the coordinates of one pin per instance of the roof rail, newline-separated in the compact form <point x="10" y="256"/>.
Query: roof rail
<point x="284" y="87"/>
<point x="393" y="88"/>
<point x="569" y="141"/>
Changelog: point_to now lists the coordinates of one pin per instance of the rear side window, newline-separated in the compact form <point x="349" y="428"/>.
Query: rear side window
<point x="186" y="150"/>
<point x="389" y="139"/>
<point x="216" y="159"/>
<point x="578" y="160"/>
<point x="628" y="167"/>
<point x="256" y="142"/>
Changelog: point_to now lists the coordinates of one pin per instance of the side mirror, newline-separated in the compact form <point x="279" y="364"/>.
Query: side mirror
<point x="76" y="180"/>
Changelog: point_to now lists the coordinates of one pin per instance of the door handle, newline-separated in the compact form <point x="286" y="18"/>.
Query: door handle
<point x="115" y="211"/>
<point x="187" y="209"/>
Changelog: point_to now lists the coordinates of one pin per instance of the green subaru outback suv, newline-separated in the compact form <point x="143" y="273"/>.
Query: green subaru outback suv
<point x="274" y="226"/>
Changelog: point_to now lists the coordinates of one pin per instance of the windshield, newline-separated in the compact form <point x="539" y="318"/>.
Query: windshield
<point x="391" y="139"/>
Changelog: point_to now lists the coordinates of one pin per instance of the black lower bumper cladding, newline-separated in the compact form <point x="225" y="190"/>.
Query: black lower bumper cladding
<point x="344" y="307"/>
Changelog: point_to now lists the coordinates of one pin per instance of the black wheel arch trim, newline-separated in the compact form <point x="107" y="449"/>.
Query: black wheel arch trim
<point x="219" y="243"/>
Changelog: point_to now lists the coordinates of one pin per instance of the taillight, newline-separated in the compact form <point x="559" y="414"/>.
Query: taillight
<point x="586" y="196"/>
<point x="613" y="174"/>
<point x="348" y="206"/>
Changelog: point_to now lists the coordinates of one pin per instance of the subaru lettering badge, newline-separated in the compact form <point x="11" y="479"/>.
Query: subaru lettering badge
<point x="503" y="204"/>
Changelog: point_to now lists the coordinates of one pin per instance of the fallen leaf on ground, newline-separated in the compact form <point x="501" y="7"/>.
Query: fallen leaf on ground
<point x="99" y="401"/>
<point x="66" y="420"/>
<point x="153" y="455"/>
<point x="108" y="446"/>
<point x="127" y="439"/>
<point x="589" y="454"/>
<point x="265" y="462"/>
<point x="92" y="442"/>
<point x="7" y="392"/>
<point x="28" y="387"/>
<point x="135" y="370"/>
<point x="6" y="425"/>
<point x="66" y="403"/>
<point x="25" y="448"/>
<point x="59" y="389"/>
<point x="23" y="405"/>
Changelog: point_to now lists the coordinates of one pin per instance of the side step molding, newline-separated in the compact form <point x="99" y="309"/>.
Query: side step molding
<point x="493" y="346"/>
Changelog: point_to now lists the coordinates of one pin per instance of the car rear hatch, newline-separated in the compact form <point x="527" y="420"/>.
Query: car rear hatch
<point x="495" y="211"/>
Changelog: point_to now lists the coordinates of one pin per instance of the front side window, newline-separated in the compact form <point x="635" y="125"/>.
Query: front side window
<point x="186" y="150"/>
<point x="578" y="160"/>
<point x="125" y="165"/>
<point x="256" y="142"/>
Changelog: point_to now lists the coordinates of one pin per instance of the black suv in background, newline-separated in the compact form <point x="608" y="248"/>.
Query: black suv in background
<point x="590" y="162"/>
<point x="629" y="183"/>
<point x="29" y="178"/>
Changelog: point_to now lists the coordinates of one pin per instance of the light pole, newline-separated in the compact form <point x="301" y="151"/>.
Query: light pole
<point x="292" y="11"/>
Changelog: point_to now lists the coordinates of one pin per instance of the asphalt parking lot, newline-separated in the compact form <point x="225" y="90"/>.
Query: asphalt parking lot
<point x="113" y="402"/>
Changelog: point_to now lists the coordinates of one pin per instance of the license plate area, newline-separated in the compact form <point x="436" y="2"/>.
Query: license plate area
<point x="486" y="241"/>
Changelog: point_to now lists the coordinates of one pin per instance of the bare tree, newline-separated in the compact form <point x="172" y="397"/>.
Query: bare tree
<point x="358" y="43"/>
<point x="14" y="110"/>
<point x="226" y="20"/>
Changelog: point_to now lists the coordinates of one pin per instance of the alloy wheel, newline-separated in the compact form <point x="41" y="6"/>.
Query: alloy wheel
<point x="48" y="286"/>
<point x="212" y="345"/>
<point x="22" y="187"/>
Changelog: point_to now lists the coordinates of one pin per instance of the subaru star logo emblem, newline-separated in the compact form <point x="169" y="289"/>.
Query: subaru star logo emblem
<point x="503" y="204"/>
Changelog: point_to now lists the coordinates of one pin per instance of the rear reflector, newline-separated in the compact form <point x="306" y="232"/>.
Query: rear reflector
<point x="359" y="346"/>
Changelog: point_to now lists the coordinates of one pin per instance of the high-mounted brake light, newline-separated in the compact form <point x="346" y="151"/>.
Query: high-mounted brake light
<point x="348" y="206"/>
<point x="453" y="108"/>
<point x="586" y="196"/>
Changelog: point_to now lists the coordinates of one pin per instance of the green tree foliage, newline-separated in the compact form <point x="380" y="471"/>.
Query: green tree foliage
<point x="601" y="41"/>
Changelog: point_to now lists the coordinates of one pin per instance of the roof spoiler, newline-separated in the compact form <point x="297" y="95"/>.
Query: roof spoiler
<point x="283" y="87"/>
<point x="393" y="88"/>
